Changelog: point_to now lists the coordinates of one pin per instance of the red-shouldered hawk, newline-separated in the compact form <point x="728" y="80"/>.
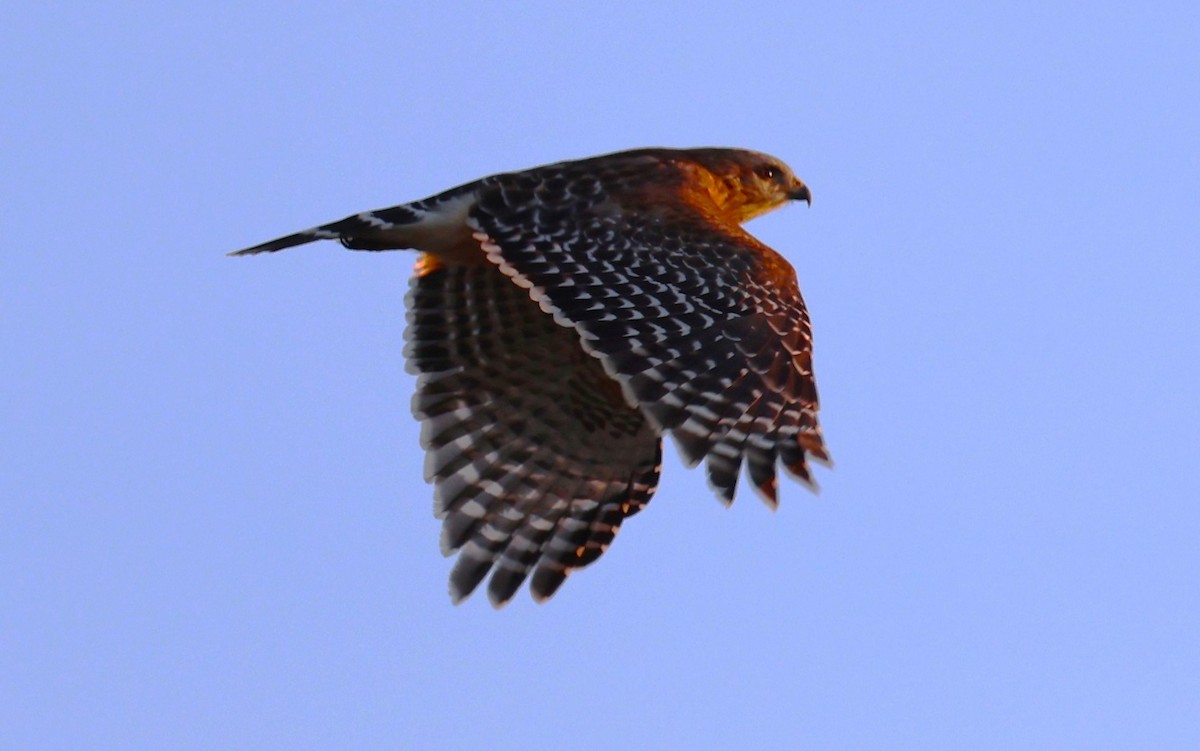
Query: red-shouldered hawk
<point x="562" y="319"/>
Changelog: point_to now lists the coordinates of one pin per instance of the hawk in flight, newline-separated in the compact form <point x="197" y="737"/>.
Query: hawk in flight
<point x="562" y="319"/>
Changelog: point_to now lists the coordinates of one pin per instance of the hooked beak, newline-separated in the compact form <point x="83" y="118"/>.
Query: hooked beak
<point x="801" y="193"/>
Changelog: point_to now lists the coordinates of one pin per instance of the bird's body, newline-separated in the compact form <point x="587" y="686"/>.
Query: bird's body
<point x="562" y="319"/>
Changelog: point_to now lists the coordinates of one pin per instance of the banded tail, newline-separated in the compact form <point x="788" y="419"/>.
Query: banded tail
<point x="369" y="230"/>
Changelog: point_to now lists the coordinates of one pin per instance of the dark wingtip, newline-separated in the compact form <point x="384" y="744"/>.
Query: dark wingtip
<point x="547" y="578"/>
<point x="723" y="474"/>
<point x="466" y="575"/>
<point x="504" y="585"/>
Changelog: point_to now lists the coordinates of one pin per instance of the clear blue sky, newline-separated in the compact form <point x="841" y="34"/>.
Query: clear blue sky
<point x="214" y="531"/>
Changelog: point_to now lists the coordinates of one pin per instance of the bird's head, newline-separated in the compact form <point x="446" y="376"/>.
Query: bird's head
<point x="745" y="184"/>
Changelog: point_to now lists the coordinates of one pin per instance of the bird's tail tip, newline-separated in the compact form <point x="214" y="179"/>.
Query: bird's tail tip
<point x="289" y="241"/>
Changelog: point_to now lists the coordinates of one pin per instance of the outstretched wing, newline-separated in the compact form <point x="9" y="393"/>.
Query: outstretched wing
<point x="703" y="326"/>
<point x="535" y="455"/>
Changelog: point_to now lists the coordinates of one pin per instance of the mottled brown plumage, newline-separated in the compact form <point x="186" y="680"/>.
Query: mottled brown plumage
<point x="563" y="318"/>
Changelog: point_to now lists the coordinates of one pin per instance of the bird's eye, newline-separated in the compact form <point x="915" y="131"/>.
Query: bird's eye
<point x="769" y="172"/>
